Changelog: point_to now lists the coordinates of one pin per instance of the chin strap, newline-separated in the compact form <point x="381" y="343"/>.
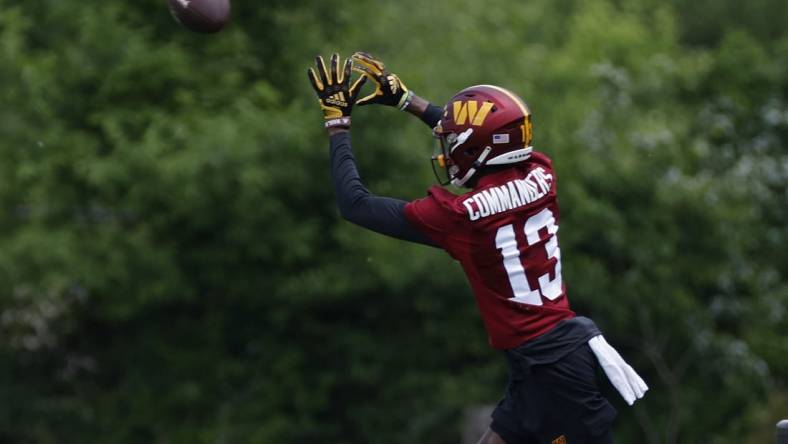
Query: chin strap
<point x="504" y="159"/>
<point x="471" y="171"/>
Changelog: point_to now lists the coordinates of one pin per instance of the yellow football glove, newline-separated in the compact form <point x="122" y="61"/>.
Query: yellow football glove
<point x="389" y="89"/>
<point x="334" y="92"/>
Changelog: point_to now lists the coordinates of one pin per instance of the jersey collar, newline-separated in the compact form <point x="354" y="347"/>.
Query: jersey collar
<point x="499" y="177"/>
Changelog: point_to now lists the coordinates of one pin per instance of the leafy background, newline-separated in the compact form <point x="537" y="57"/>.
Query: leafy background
<point x="173" y="268"/>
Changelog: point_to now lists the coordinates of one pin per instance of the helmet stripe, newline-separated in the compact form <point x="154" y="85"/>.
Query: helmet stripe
<point x="512" y="96"/>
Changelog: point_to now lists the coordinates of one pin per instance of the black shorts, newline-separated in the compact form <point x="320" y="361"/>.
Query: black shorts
<point x="558" y="403"/>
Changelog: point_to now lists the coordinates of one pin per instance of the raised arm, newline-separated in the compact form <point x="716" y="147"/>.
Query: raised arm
<point x="390" y="90"/>
<point x="424" y="110"/>
<point x="356" y="204"/>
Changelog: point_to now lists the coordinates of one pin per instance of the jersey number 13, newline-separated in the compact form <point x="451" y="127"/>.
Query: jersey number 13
<point x="506" y="242"/>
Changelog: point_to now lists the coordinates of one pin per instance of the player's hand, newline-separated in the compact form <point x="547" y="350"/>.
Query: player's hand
<point x="334" y="92"/>
<point x="389" y="89"/>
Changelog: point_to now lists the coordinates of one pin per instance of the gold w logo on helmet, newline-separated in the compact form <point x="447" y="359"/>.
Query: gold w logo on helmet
<point x="470" y="111"/>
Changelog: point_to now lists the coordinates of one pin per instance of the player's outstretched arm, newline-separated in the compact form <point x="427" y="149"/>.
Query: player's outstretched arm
<point x="390" y="90"/>
<point x="356" y="204"/>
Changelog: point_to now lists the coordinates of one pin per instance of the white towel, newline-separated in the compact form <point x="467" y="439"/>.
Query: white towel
<point x="621" y="375"/>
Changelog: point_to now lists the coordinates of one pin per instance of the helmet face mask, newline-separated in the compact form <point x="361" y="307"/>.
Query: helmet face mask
<point x="481" y="125"/>
<point x="442" y="164"/>
<point x="450" y="146"/>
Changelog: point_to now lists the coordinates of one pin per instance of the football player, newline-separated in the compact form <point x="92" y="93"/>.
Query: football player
<point x="503" y="232"/>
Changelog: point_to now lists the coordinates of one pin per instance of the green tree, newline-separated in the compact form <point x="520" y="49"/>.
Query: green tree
<point x="173" y="268"/>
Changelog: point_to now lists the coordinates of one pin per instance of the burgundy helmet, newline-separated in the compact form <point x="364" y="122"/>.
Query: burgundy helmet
<point x="483" y="125"/>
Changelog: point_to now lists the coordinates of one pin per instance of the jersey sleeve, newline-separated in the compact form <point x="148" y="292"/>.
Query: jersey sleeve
<point x="356" y="204"/>
<point x="433" y="216"/>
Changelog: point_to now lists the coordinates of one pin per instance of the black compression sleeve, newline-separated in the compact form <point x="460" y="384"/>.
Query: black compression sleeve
<point x="356" y="204"/>
<point x="432" y="115"/>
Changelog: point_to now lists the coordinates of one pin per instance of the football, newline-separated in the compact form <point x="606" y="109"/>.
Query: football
<point x="205" y="16"/>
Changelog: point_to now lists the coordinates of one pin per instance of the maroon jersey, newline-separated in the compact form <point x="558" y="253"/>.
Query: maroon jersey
<point x="504" y="233"/>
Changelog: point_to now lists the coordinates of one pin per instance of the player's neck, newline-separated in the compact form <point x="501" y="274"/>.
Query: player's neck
<point x="494" y="174"/>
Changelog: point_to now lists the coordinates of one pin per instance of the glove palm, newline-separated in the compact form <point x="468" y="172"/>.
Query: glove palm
<point x="389" y="89"/>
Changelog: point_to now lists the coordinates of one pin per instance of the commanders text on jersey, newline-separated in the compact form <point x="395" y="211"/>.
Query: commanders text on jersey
<point x="512" y="194"/>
